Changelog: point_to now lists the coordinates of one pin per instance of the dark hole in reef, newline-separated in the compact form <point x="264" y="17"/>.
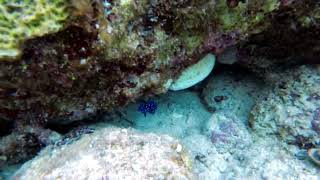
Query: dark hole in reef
<point x="65" y="128"/>
<point x="6" y="127"/>
<point x="235" y="70"/>
<point x="117" y="116"/>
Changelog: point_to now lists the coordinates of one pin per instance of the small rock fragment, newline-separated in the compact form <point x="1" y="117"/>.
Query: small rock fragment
<point x="194" y="74"/>
<point x="314" y="155"/>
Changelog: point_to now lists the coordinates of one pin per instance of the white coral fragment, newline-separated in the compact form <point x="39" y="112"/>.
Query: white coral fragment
<point x="194" y="74"/>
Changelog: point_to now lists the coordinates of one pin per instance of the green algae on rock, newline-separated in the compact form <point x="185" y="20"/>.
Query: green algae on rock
<point x="26" y="19"/>
<point x="245" y="17"/>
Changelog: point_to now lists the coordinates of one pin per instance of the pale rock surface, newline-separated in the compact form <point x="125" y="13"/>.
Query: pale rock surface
<point x="252" y="157"/>
<point x="111" y="153"/>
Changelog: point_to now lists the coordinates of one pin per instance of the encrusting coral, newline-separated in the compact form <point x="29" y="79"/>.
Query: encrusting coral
<point x="22" y="20"/>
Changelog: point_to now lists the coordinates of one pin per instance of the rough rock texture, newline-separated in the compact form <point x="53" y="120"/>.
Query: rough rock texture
<point x="293" y="39"/>
<point x="291" y="110"/>
<point x="112" y="153"/>
<point x="22" y="145"/>
<point x="240" y="154"/>
<point x="228" y="148"/>
<point x="229" y="56"/>
<point x="115" y="51"/>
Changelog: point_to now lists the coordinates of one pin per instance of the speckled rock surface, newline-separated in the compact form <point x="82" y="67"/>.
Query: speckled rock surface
<point x="112" y="153"/>
<point x="265" y="158"/>
<point x="241" y="154"/>
<point x="227" y="133"/>
<point x="291" y="110"/>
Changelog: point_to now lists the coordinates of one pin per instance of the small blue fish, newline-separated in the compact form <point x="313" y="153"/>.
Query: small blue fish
<point x="149" y="106"/>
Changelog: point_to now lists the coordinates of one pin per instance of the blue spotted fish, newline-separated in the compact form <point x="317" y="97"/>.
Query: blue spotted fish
<point x="149" y="106"/>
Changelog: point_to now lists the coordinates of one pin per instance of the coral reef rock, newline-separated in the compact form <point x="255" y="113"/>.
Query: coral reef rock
<point x="283" y="43"/>
<point x="291" y="110"/>
<point x="112" y="153"/>
<point x="112" y="52"/>
<point x="22" y="145"/>
<point x="22" y="20"/>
